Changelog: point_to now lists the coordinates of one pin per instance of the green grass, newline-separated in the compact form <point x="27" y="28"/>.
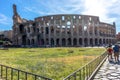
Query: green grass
<point x="54" y="63"/>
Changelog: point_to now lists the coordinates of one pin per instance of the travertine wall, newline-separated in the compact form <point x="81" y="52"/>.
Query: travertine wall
<point x="64" y="30"/>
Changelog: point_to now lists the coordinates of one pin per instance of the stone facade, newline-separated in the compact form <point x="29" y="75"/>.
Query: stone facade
<point x="6" y="34"/>
<point x="118" y="36"/>
<point x="62" y="30"/>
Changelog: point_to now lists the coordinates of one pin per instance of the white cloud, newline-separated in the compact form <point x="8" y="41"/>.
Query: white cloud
<point x="5" y="20"/>
<point x="27" y="9"/>
<point x="106" y="10"/>
<point x="35" y="10"/>
<point x="102" y="8"/>
<point x="56" y="7"/>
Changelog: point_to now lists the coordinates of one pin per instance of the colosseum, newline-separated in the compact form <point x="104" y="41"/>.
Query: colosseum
<point x="62" y="30"/>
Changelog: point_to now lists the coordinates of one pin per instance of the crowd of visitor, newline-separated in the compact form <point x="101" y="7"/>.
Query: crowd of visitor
<point x="113" y="53"/>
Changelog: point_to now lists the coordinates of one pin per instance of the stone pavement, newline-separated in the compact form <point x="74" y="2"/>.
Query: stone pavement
<point x="108" y="71"/>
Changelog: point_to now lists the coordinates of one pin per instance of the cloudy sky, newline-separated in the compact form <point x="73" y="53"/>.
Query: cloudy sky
<point x="107" y="10"/>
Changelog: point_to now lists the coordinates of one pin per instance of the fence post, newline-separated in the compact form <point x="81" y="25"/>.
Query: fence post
<point x="11" y="74"/>
<point x="1" y="70"/>
<point x="6" y="73"/>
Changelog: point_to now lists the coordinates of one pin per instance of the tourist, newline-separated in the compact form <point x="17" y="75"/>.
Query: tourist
<point x="110" y="51"/>
<point x="116" y="53"/>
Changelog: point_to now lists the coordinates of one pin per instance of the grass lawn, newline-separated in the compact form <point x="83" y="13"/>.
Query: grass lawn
<point x="55" y="63"/>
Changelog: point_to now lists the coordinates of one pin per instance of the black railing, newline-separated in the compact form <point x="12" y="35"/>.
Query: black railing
<point x="9" y="73"/>
<point x="88" y="71"/>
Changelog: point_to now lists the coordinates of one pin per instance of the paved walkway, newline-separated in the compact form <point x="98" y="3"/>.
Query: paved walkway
<point x="108" y="71"/>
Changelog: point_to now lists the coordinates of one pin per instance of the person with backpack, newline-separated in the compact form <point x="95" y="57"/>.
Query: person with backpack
<point x="116" y="53"/>
<point x="109" y="51"/>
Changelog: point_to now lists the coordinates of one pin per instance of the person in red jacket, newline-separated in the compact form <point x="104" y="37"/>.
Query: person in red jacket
<point x="110" y="52"/>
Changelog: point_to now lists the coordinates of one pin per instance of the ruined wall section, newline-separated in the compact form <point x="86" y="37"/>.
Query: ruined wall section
<point x="73" y="28"/>
<point x="64" y="30"/>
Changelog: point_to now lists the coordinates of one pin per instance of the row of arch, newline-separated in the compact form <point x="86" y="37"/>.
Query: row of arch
<point x="67" y="42"/>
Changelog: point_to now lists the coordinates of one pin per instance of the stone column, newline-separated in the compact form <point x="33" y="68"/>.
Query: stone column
<point x="98" y="26"/>
<point x="44" y="35"/>
<point x="88" y="35"/>
<point x="102" y="41"/>
<point x="93" y="35"/>
<point x="35" y="39"/>
<point x="60" y="42"/>
<point x="88" y="38"/>
<point x="77" y="26"/>
<point x="49" y="35"/>
<point x="66" y="36"/>
<point x="93" y="41"/>
<point x="83" y="32"/>
<point x="20" y="40"/>
<point x="71" y="28"/>
<point x="55" y="35"/>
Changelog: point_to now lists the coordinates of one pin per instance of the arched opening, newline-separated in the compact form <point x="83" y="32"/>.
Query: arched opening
<point x="34" y="29"/>
<point x="100" y="41"/>
<point x="47" y="30"/>
<point x="21" y="28"/>
<point x="28" y="29"/>
<point x="91" y="42"/>
<point x="52" y="42"/>
<point x="24" y="40"/>
<point x="47" y="41"/>
<point x="42" y="42"/>
<point x="103" y="41"/>
<point x="57" y="42"/>
<point x="112" y="41"/>
<point x="86" y="42"/>
<point x="17" y="41"/>
<point x="74" y="41"/>
<point x="42" y="30"/>
<point x="38" y="39"/>
<point x="107" y="41"/>
<point x="38" y="30"/>
<point x="63" y="42"/>
<point x="33" y="42"/>
<point x="52" y="29"/>
<point x="63" y="18"/>
<point x="34" y="24"/>
<point x="69" y="41"/>
<point x="28" y="42"/>
<point x="68" y="23"/>
<point x="80" y="41"/>
<point x="96" y="41"/>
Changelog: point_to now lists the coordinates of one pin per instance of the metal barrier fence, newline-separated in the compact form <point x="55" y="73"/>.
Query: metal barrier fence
<point x="86" y="72"/>
<point x="9" y="73"/>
